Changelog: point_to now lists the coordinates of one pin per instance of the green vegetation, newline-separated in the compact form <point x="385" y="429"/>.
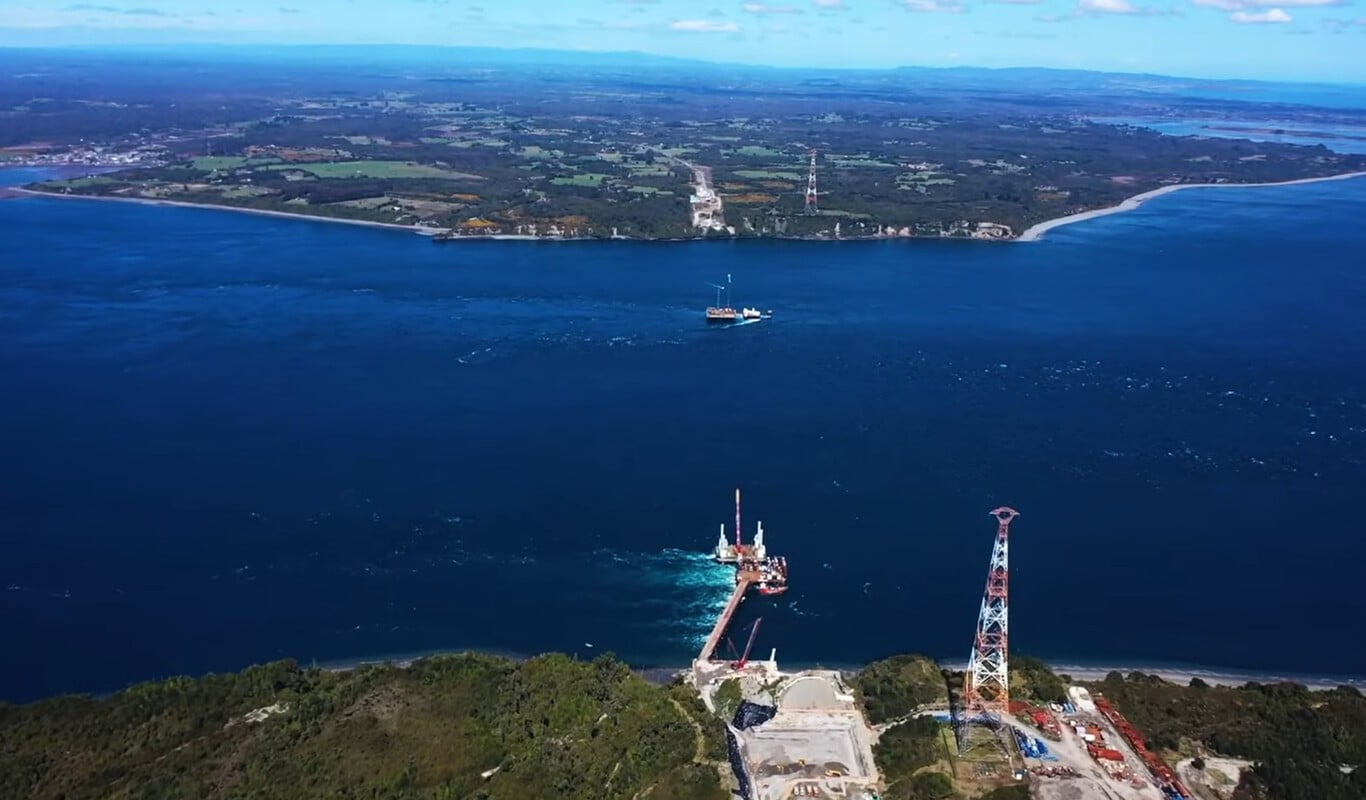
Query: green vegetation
<point x="765" y="173"/>
<point x="1032" y="680"/>
<point x="582" y="179"/>
<point x="756" y="151"/>
<point x="594" y="154"/>
<point x="906" y="748"/>
<point x="374" y="169"/>
<point x="80" y="183"/>
<point x="897" y="686"/>
<point x="1301" y="740"/>
<point x="727" y="699"/>
<point x="930" y="786"/>
<point x="211" y="163"/>
<point x="1017" y="792"/>
<point x="551" y="726"/>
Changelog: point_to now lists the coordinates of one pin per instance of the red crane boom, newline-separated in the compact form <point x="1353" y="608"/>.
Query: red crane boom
<point x="744" y="659"/>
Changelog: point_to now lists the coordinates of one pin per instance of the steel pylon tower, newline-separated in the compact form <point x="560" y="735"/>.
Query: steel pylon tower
<point x="986" y="686"/>
<point x="811" y="187"/>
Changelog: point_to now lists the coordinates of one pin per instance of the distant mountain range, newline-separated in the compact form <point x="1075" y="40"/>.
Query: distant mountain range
<point x="1025" y="80"/>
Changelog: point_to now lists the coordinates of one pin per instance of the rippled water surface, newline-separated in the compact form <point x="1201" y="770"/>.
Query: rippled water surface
<point x="234" y="438"/>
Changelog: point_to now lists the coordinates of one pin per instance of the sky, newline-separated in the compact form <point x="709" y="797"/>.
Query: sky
<point x="1320" y="40"/>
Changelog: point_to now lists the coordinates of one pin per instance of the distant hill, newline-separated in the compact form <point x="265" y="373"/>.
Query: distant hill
<point x="1026" y="80"/>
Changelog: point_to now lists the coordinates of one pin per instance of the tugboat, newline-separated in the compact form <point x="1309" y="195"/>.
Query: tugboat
<point x="727" y="314"/>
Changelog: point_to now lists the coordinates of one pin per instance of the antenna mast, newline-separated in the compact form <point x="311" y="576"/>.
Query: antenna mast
<point x="737" y="519"/>
<point x="811" y="207"/>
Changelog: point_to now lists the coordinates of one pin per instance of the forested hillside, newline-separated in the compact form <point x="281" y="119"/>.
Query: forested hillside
<point x="550" y="727"/>
<point x="1306" y="745"/>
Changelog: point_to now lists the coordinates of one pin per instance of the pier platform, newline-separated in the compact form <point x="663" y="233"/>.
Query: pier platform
<point x="742" y="584"/>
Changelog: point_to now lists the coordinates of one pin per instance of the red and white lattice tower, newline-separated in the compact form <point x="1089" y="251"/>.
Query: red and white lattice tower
<point x="986" y="687"/>
<point x="811" y="186"/>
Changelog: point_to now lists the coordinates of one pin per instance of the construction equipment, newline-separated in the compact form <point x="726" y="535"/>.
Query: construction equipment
<point x="744" y="659"/>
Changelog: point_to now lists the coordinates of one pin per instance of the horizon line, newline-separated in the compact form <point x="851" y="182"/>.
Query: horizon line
<point x="663" y="60"/>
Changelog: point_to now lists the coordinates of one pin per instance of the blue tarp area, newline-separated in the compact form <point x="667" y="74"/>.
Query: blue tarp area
<point x="737" y="764"/>
<point x="750" y="714"/>
<point x="1033" y="748"/>
<point x="746" y="716"/>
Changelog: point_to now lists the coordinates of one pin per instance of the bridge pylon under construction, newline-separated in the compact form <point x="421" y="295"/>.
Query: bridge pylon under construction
<point x="986" y="685"/>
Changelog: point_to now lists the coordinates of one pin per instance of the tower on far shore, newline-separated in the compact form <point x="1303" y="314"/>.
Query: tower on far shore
<point x="811" y="207"/>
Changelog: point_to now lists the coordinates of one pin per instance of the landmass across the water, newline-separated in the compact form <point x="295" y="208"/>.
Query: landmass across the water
<point x="472" y="146"/>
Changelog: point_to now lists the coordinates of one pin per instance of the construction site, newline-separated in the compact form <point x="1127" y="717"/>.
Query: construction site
<point x="806" y="734"/>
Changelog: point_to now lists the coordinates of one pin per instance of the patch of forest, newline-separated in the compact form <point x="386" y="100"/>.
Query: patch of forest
<point x="546" y="727"/>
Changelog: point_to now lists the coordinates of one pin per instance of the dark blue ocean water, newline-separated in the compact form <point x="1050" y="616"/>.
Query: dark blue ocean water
<point x="230" y="438"/>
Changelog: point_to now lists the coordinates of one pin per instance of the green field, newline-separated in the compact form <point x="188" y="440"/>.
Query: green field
<point x="480" y="143"/>
<point x="247" y="191"/>
<point x="763" y="173"/>
<point x="375" y="169"/>
<point x="79" y="183"/>
<point x="582" y="179"/>
<point x="535" y="151"/>
<point x="756" y="151"/>
<point x="211" y="163"/>
<point x="859" y="161"/>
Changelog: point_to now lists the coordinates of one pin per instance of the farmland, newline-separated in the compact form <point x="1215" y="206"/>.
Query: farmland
<point x="588" y="152"/>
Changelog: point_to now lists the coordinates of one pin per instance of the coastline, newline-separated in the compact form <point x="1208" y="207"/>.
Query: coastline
<point x="1035" y="232"/>
<point x="1079" y="673"/>
<point x="1031" y="234"/>
<point x="1212" y="676"/>
<point x="152" y="201"/>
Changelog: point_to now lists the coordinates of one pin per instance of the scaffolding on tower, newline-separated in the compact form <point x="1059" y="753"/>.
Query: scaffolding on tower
<point x="986" y="684"/>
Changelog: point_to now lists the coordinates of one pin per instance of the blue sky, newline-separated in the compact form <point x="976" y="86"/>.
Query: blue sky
<point x="1274" y="39"/>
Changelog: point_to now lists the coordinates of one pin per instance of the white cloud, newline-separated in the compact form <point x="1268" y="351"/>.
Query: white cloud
<point x="829" y="4"/>
<point x="1106" y="7"/>
<point x="102" y="17"/>
<point x="1255" y="17"/>
<point x="933" y="6"/>
<point x="1239" y="5"/>
<point x="703" y="26"/>
<point x="765" y="8"/>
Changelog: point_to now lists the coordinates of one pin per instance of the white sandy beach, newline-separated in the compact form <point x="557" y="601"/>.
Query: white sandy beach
<point x="152" y="201"/>
<point x="419" y="229"/>
<point x="1035" y="232"/>
<point x="1211" y="677"/>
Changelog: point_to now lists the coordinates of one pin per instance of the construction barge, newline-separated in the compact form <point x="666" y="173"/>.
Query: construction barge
<point x="755" y="568"/>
